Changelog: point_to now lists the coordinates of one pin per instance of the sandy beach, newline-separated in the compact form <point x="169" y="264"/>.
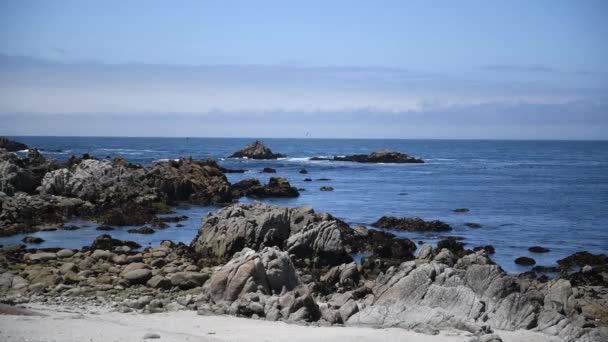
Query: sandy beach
<point x="61" y="323"/>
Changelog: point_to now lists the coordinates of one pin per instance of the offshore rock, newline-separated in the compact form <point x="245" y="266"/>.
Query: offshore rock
<point x="257" y="150"/>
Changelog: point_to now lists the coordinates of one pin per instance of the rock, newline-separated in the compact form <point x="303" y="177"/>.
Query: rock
<point x="102" y="254"/>
<point x="326" y="188"/>
<point x="472" y="225"/>
<point x="159" y="282"/>
<point x="384" y="156"/>
<point x="361" y="230"/>
<point x="139" y="276"/>
<point x="106" y="242"/>
<point x="141" y="230"/>
<point x="257" y="150"/>
<point x="307" y="180"/>
<point x="303" y="171"/>
<point x="269" y="170"/>
<point x="525" y="261"/>
<point x="32" y="239"/>
<point x="256" y="226"/>
<point x="322" y="240"/>
<point x="348" y="309"/>
<point x="276" y="187"/>
<point x="538" y="249"/>
<point x="42" y="256"/>
<point x="487" y="248"/>
<point x="188" y="280"/>
<point x="104" y="228"/>
<point x="411" y="224"/>
<point x="453" y="245"/>
<point x="65" y="253"/>
<point x="198" y="182"/>
<point x="12" y="146"/>
<point x="461" y="210"/>
<point x="267" y="271"/>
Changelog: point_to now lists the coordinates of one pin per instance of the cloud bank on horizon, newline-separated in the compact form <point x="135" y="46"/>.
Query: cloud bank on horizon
<point x="56" y="81"/>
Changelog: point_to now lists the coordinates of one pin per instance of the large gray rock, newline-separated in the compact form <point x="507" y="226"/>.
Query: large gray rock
<point x="252" y="225"/>
<point x="474" y="293"/>
<point x="322" y="240"/>
<point x="268" y="271"/>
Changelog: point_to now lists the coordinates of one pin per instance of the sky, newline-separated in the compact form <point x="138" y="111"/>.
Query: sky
<point x="338" y="69"/>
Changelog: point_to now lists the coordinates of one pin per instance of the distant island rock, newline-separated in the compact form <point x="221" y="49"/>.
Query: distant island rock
<point x="12" y="146"/>
<point x="257" y="150"/>
<point x="384" y="156"/>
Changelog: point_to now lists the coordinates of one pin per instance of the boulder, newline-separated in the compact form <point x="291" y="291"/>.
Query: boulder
<point x="268" y="271"/>
<point x="269" y="170"/>
<point x="538" y="249"/>
<point x="257" y="150"/>
<point x="106" y="242"/>
<point x="525" y="261"/>
<point x="32" y="239"/>
<point x="319" y="240"/>
<point x="138" y="276"/>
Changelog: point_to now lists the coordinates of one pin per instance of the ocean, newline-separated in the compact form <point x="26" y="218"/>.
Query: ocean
<point x="522" y="193"/>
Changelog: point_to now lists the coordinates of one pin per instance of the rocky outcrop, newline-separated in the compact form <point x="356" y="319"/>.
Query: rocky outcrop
<point x="319" y="239"/>
<point x="473" y="295"/>
<point x="411" y="224"/>
<point x="199" y="182"/>
<point x="229" y="230"/>
<point x="276" y="187"/>
<point x="26" y="213"/>
<point x="23" y="174"/>
<point x="384" y="156"/>
<point x="12" y="146"/>
<point x="257" y="150"/>
<point x="269" y="271"/>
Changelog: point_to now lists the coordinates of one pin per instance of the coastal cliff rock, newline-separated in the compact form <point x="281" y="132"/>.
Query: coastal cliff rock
<point x="257" y="150"/>
<point x="321" y="241"/>
<point x="11" y="146"/>
<point x="384" y="156"/>
<point x="411" y="224"/>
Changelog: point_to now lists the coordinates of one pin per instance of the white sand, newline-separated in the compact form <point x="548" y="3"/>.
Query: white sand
<point x="84" y="324"/>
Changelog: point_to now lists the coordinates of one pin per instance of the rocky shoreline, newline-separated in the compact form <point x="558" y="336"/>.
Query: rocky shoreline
<point x="270" y="262"/>
<point x="293" y="264"/>
<point x="36" y="192"/>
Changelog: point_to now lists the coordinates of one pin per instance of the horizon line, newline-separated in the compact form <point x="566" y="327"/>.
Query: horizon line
<point x="299" y="138"/>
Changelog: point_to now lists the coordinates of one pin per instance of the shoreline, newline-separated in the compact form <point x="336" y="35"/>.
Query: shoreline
<point x="70" y="323"/>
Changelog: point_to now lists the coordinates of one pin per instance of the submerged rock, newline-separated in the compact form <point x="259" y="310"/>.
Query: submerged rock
<point x="411" y="224"/>
<point x="257" y="150"/>
<point x="525" y="261"/>
<point x="538" y="249"/>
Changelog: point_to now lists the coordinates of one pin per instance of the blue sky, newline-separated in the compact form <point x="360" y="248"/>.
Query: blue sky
<point x="399" y="69"/>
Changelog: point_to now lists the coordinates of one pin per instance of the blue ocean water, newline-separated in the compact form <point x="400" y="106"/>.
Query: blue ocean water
<point x="523" y="193"/>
